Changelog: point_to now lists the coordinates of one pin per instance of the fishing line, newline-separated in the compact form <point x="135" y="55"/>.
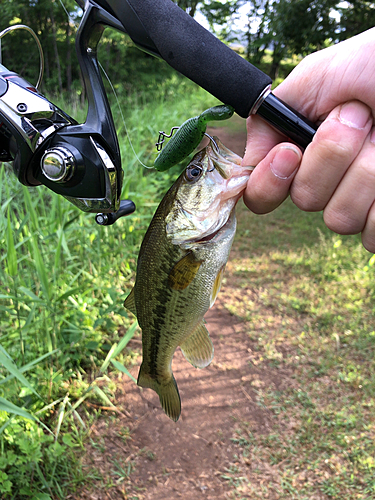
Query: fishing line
<point x="114" y="93"/>
<point x="122" y="117"/>
<point x="67" y="13"/>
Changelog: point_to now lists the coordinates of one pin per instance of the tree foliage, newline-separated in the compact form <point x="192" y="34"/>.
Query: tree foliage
<point x="299" y="27"/>
<point x="356" y="17"/>
<point x="284" y="27"/>
<point x="189" y="6"/>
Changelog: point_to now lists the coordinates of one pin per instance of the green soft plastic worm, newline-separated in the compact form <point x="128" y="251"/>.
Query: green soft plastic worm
<point x="189" y="135"/>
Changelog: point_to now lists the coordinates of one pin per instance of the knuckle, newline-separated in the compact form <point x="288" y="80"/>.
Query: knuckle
<point x="366" y="168"/>
<point x="307" y="199"/>
<point x="368" y="233"/>
<point x="337" y="149"/>
<point x="369" y="242"/>
<point x="342" y="221"/>
<point x="261" y="200"/>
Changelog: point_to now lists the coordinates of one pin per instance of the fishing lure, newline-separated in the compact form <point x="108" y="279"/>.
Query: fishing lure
<point x="188" y="136"/>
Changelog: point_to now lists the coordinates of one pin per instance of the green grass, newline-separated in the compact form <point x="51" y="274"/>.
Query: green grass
<point x="63" y="280"/>
<point x="307" y="302"/>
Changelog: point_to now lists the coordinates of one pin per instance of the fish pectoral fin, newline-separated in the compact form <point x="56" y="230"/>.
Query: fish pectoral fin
<point x="183" y="273"/>
<point x="130" y="302"/>
<point x="168" y="393"/>
<point x="198" y="348"/>
<point x="217" y="285"/>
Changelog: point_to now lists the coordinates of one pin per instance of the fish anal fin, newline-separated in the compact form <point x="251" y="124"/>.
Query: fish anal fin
<point x="168" y="393"/>
<point x="183" y="273"/>
<point x="130" y="302"/>
<point x="198" y="348"/>
<point x="217" y="285"/>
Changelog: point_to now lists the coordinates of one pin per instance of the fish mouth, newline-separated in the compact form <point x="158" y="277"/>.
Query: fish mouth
<point x="212" y="235"/>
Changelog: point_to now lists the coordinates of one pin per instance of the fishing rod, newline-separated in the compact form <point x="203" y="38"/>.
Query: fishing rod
<point x="82" y="162"/>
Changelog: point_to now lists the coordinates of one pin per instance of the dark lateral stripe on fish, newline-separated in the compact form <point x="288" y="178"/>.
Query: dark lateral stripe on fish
<point x="161" y="298"/>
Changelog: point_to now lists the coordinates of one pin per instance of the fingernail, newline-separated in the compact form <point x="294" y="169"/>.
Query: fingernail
<point x="285" y="162"/>
<point x="354" y="114"/>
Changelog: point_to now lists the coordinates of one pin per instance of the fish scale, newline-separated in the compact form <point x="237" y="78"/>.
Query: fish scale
<point x="180" y="266"/>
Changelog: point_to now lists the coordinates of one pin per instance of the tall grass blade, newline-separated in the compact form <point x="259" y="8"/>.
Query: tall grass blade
<point x="30" y="294"/>
<point x="60" y="234"/>
<point x="108" y="358"/>
<point x="103" y="396"/>
<point x="43" y="480"/>
<point x="77" y="416"/>
<point x="5" y="425"/>
<point x="40" y="268"/>
<point x="13" y="409"/>
<point x="48" y="407"/>
<point x="85" y="395"/>
<point x="116" y="349"/>
<point x="27" y="367"/>
<point x="61" y="416"/>
<point x="11" y="251"/>
<point x="126" y="338"/>
<point x="12" y="368"/>
<point x="123" y="369"/>
<point x="31" y="209"/>
<point x="9" y="407"/>
<point x="71" y="291"/>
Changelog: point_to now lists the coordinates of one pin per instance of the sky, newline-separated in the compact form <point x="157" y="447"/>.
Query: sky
<point x="242" y="21"/>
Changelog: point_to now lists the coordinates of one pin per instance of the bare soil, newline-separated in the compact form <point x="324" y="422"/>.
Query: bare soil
<point x="144" y="455"/>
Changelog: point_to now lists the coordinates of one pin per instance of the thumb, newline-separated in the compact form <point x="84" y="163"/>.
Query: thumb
<point x="270" y="182"/>
<point x="261" y="138"/>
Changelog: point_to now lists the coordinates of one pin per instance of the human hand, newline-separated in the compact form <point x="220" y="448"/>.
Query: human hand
<point x="336" y="173"/>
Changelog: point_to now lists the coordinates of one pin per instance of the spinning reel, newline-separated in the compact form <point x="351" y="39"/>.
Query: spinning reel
<point x="82" y="161"/>
<point x="78" y="161"/>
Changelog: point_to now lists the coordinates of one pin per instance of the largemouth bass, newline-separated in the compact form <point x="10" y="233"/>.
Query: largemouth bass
<point x="180" y="267"/>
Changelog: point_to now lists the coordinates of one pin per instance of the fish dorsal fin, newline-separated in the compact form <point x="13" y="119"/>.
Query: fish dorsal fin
<point x="217" y="285"/>
<point x="130" y="302"/>
<point x="198" y="348"/>
<point x="183" y="273"/>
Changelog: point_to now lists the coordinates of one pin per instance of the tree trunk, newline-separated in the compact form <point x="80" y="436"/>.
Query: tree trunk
<point x="54" y="38"/>
<point x="68" y="58"/>
<point x="278" y="52"/>
<point x="258" y="51"/>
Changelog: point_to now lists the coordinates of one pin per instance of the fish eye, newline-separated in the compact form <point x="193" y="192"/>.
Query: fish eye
<point x="193" y="172"/>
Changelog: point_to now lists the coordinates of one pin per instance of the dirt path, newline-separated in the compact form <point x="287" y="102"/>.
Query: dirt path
<point x="145" y="455"/>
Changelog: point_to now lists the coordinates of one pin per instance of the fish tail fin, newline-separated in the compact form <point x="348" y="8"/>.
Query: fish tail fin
<point x="168" y="393"/>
